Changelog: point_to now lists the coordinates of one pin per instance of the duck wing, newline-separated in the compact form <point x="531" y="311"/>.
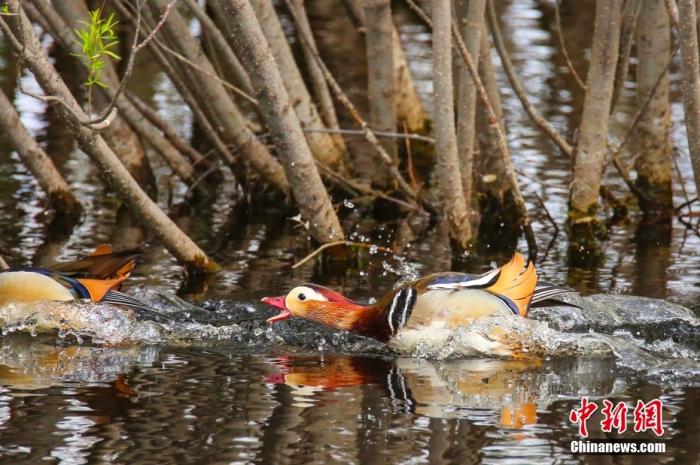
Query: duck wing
<point x="102" y="264"/>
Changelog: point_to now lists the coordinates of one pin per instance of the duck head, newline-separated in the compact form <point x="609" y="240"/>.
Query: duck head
<point x="316" y="303"/>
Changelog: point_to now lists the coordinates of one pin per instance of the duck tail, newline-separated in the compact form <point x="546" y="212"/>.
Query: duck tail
<point x="517" y="282"/>
<point x="546" y="292"/>
<point x="141" y="308"/>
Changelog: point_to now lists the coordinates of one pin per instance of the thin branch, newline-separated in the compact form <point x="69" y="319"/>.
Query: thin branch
<point x="214" y="167"/>
<point x="155" y="30"/>
<point x="363" y="188"/>
<point x="562" y="44"/>
<point x="180" y="143"/>
<point x="541" y="122"/>
<point x="681" y="181"/>
<point x="337" y="243"/>
<point x="8" y="32"/>
<point x="686" y="204"/>
<point x="630" y="16"/>
<point x="672" y="9"/>
<point x="360" y="132"/>
<point x="546" y="212"/>
<point x="107" y="112"/>
<point x="409" y="158"/>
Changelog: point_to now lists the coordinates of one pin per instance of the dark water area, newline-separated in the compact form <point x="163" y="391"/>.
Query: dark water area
<point x="168" y="405"/>
<point x="237" y="401"/>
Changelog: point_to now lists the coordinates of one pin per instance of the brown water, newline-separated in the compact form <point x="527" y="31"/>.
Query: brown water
<point x="239" y="402"/>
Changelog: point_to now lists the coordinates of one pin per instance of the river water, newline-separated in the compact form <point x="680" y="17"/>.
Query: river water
<point x="232" y="392"/>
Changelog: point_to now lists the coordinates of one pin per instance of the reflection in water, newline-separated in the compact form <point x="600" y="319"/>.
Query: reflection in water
<point x="148" y="405"/>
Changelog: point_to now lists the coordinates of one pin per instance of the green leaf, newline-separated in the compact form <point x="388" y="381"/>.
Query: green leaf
<point x="112" y="54"/>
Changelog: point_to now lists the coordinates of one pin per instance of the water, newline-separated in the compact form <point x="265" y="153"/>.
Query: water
<point x="221" y="387"/>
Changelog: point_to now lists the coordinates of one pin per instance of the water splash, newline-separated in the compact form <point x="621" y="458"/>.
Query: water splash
<point x="641" y="335"/>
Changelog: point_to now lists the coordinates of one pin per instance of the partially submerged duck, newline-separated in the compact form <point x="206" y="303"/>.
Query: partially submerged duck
<point x="96" y="277"/>
<point x="429" y="309"/>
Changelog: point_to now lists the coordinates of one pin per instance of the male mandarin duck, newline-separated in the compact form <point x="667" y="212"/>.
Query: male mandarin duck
<point x="97" y="277"/>
<point x="412" y="311"/>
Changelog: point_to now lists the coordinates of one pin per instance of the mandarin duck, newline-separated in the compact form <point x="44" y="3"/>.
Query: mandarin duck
<point x="435" y="303"/>
<point x="97" y="277"/>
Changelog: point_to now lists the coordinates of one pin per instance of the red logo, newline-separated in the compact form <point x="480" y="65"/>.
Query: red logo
<point x="647" y="416"/>
<point x="615" y="418"/>
<point x="582" y="415"/>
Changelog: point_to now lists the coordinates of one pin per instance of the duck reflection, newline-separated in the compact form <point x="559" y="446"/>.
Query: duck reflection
<point x="504" y="393"/>
<point x="32" y="363"/>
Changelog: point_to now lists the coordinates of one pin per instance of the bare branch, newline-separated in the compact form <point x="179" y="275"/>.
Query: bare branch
<point x="562" y="44"/>
<point x="360" y="132"/>
<point x="541" y="122"/>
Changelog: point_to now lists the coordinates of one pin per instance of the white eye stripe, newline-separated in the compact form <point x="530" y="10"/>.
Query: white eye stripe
<point x="309" y="295"/>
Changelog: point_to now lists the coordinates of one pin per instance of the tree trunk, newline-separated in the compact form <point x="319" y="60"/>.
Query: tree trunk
<point x="120" y="136"/>
<point x="321" y="144"/>
<point x="318" y="82"/>
<point x="36" y="160"/>
<point x="449" y="178"/>
<point x="409" y="107"/>
<point x="220" y="108"/>
<point x="307" y="187"/>
<point x="471" y="26"/>
<point x="491" y="180"/>
<point x="232" y="65"/>
<point x="690" y="82"/>
<point x="654" y="154"/>
<point x="380" y="73"/>
<point x="630" y="17"/>
<point x="498" y="217"/>
<point x="590" y="153"/>
<point x="177" y="242"/>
